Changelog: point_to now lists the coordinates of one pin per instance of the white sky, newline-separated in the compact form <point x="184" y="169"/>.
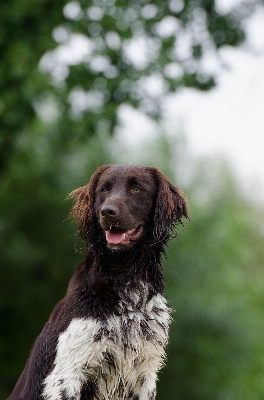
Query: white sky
<point x="227" y="120"/>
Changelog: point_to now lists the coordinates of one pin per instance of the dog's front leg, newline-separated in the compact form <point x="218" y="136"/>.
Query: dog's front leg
<point x="77" y="354"/>
<point x="146" y="384"/>
<point x="146" y="389"/>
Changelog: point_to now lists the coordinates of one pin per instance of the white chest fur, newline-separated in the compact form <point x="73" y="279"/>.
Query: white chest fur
<point x="120" y="356"/>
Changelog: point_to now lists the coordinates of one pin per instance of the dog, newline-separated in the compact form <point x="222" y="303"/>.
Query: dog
<point x="106" y="339"/>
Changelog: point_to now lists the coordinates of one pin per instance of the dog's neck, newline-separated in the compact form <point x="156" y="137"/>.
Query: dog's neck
<point x="105" y="279"/>
<point x="141" y="263"/>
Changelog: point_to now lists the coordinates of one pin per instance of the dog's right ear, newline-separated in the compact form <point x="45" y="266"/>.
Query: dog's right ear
<point x="170" y="209"/>
<point x="83" y="210"/>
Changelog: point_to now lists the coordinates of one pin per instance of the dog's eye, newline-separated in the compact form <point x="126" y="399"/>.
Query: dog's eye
<point x="104" y="190"/>
<point x="136" y="189"/>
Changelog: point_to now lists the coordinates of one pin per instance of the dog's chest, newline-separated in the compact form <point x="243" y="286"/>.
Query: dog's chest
<point x="113" y="357"/>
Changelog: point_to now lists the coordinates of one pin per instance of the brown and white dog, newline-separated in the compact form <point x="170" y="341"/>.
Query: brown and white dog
<point x="105" y="339"/>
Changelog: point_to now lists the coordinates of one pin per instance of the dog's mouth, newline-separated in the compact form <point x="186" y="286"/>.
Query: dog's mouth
<point x="117" y="236"/>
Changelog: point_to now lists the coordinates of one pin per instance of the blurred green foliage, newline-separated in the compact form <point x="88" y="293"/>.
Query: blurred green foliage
<point x="56" y="128"/>
<point x="96" y="56"/>
<point x="215" y="282"/>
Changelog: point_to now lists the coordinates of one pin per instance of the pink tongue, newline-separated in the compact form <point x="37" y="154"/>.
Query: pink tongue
<point x="115" y="237"/>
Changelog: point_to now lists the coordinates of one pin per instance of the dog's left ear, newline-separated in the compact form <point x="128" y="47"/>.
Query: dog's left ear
<point x="170" y="209"/>
<point x="83" y="210"/>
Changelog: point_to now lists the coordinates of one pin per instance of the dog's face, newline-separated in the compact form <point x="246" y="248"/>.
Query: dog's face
<point x="127" y="204"/>
<point x="124" y="201"/>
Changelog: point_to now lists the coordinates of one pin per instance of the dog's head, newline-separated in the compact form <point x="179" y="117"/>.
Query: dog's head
<point x="125" y="204"/>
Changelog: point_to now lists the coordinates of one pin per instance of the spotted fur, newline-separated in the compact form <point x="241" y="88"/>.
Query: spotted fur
<point x="121" y="355"/>
<point x="106" y="339"/>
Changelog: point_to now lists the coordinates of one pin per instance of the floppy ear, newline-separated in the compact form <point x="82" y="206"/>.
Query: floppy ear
<point x="83" y="210"/>
<point x="171" y="207"/>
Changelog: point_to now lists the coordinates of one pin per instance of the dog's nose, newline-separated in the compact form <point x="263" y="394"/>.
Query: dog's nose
<point x="109" y="211"/>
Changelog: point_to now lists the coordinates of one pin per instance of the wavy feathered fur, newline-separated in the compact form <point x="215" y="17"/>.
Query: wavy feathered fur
<point x="105" y="340"/>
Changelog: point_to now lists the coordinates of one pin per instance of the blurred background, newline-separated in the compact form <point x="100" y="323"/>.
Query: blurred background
<point x="176" y="84"/>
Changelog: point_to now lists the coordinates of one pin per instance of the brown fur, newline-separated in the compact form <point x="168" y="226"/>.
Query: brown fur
<point x="139" y="201"/>
<point x="171" y="204"/>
